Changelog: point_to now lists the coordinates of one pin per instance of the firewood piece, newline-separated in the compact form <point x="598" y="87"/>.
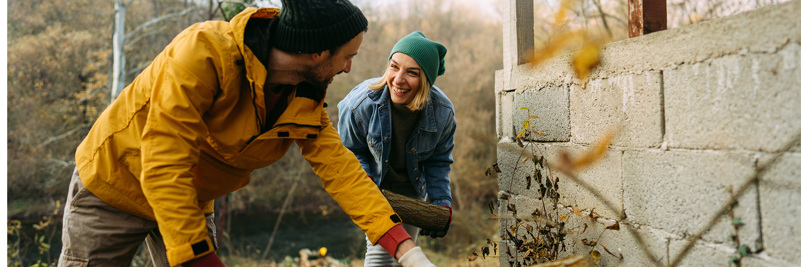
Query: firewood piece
<point x="417" y="212"/>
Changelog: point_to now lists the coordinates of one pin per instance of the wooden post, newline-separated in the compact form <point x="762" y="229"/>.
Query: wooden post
<point x="518" y="34"/>
<point x="647" y="16"/>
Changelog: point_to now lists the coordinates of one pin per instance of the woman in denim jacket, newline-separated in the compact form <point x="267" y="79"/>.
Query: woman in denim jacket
<point x="401" y="128"/>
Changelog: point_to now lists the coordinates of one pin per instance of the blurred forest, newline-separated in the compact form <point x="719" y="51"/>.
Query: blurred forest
<point x="60" y="75"/>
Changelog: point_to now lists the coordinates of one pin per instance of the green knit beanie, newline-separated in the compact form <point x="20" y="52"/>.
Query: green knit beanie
<point x="429" y="55"/>
<point x="313" y="26"/>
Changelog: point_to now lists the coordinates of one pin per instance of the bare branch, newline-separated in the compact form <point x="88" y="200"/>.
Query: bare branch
<point x="139" y="68"/>
<point x="157" y="20"/>
<point x="62" y="136"/>
<point x="603" y="17"/>
<point x="740" y="191"/>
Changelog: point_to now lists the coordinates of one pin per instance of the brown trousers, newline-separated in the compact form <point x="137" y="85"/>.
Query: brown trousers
<point x="97" y="234"/>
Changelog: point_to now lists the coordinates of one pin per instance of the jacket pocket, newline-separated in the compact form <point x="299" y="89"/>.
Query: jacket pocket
<point x="374" y="144"/>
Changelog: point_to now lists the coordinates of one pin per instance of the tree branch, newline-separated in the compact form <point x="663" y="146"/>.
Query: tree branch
<point x="157" y="20"/>
<point x="62" y="136"/>
<point x="740" y="191"/>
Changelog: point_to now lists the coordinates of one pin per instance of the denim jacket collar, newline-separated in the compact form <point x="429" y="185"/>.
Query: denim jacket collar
<point x="428" y="121"/>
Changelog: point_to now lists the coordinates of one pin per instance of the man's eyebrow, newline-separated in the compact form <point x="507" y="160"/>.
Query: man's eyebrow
<point x="396" y="63"/>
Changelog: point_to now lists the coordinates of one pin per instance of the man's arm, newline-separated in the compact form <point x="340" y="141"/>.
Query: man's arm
<point x="182" y="87"/>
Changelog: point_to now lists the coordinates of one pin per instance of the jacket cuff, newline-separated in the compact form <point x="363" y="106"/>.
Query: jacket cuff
<point x="189" y="251"/>
<point x="392" y="238"/>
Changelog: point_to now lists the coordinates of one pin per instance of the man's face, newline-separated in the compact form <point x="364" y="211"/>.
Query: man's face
<point x="323" y="73"/>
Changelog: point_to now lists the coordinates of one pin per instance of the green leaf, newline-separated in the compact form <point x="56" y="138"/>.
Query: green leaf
<point x="737" y="222"/>
<point x="744" y="250"/>
<point x="522" y="108"/>
<point x="526" y="124"/>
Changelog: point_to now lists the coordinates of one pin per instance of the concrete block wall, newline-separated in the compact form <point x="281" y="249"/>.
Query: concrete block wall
<point x="698" y="110"/>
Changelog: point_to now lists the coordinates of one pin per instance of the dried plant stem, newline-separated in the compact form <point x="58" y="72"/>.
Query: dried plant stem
<point x="740" y="191"/>
<point x="608" y="204"/>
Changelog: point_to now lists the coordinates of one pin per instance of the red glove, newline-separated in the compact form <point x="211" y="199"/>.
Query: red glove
<point x="439" y="233"/>
<point x="209" y="260"/>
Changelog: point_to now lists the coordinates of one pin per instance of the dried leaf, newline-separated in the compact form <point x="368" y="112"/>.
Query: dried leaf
<point x="520" y="134"/>
<point x="593" y="215"/>
<point x="615" y="226"/>
<point x="597" y="152"/>
<point x="563" y="218"/>
<point x="578" y="212"/>
<point x="557" y="45"/>
<point x="588" y="243"/>
<point x="496" y="168"/>
<point x="472" y="257"/>
<point x="511" y="207"/>
<point x="595" y="256"/>
<point x="585" y="228"/>
<point x="620" y="256"/>
<point x="564" y="7"/>
<point x="585" y="60"/>
<point x="528" y="181"/>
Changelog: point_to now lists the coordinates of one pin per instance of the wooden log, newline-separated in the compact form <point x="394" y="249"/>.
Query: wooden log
<point x="417" y="212"/>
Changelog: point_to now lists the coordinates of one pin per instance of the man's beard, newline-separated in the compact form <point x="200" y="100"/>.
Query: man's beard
<point x="315" y="75"/>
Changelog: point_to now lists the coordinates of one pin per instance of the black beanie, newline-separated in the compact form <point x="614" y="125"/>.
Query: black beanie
<point x="313" y="26"/>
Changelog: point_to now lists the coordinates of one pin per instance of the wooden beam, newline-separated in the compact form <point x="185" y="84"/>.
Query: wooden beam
<point x="647" y="16"/>
<point x="518" y="31"/>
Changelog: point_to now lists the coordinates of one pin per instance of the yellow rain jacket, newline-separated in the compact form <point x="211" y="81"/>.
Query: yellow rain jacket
<point x="186" y="131"/>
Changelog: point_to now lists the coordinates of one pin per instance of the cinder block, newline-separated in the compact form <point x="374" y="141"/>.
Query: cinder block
<point x="504" y="118"/>
<point x="780" y="202"/>
<point x="499" y="81"/>
<point x="630" y="104"/>
<point x="764" y="260"/>
<point x="603" y="176"/>
<point x="513" y="167"/>
<point x="680" y="191"/>
<point x="747" y="101"/>
<point x="506" y="253"/>
<point x="551" y="105"/>
<point x="519" y="172"/>
<point x="702" y="254"/>
<point x="619" y="242"/>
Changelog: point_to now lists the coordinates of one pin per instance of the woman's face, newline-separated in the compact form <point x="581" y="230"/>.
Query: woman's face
<point x="403" y="78"/>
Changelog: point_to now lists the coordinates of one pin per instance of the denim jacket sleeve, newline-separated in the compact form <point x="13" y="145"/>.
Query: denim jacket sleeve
<point x="438" y="166"/>
<point x="353" y="130"/>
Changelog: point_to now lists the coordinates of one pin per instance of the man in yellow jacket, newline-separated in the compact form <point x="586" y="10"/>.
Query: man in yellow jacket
<point x="223" y="99"/>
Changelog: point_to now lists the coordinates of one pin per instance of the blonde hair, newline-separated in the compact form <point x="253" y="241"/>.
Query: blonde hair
<point x="420" y="99"/>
